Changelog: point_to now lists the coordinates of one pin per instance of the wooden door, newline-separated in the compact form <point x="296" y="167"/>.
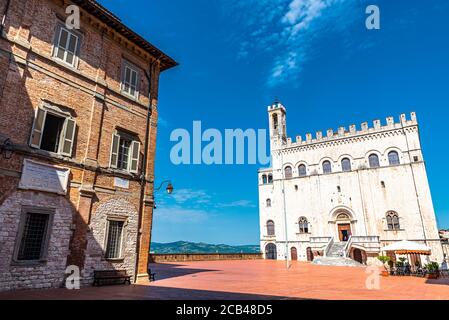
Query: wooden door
<point x="294" y="254"/>
<point x="309" y="255"/>
<point x="344" y="231"/>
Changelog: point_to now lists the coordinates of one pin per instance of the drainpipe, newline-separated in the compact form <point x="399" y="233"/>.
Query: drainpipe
<point x="5" y="12"/>
<point x="144" y="165"/>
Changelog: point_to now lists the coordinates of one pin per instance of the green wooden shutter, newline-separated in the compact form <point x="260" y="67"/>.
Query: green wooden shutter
<point x="135" y="156"/>
<point x="114" y="150"/>
<point x="68" y="137"/>
<point x="38" y="128"/>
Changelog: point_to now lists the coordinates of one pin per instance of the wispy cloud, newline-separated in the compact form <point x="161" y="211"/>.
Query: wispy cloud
<point x="236" y="204"/>
<point x="179" y="214"/>
<point x="182" y="196"/>
<point x="286" y="29"/>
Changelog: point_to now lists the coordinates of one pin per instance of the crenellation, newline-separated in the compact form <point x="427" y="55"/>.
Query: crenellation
<point x="365" y="127"/>
<point x="403" y="119"/>
<point x="376" y="124"/>
<point x="352" y="128"/>
<point x="309" y="137"/>
<point x="353" y="131"/>
<point x="390" y="121"/>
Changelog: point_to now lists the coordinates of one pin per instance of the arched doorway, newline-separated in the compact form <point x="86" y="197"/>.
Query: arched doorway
<point x="270" y="252"/>
<point x="344" y="226"/>
<point x="358" y="256"/>
<point x="294" y="253"/>
<point x="309" y="254"/>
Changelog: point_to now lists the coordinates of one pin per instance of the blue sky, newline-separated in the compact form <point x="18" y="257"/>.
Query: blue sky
<point x="318" y="58"/>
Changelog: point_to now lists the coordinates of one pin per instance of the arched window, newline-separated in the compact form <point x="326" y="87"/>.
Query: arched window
<point x="270" y="178"/>
<point x="288" y="172"/>
<point x="302" y="170"/>
<point x="393" y="221"/>
<point x="374" y="161"/>
<point x="270" y="228"/>
<point x="346" y="165"/>
<point x="393" y="158"/>
<point x="264" y="179"/>
<point x="327" y="167"/>
<point x="268" y="203"/>
<point x="303" y="225"/>
<point x="275" y="121"/>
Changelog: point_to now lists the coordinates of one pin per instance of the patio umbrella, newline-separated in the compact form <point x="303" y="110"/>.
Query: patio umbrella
<point x="408" y="247"/>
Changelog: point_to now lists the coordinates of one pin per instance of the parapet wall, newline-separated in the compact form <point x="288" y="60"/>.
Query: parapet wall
<point x="178" y="257"/>
<point x="353" y="131"/>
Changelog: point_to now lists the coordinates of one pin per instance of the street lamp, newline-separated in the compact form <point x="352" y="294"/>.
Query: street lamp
<point x="169" y="188"/>
<point x="7" y="149"/>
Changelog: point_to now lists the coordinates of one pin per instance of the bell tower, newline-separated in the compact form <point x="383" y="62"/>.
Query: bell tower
<point x="278" y="123"/>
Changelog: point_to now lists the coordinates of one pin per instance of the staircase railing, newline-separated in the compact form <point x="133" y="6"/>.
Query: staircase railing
<point x="347" y="247"/>
<point x="328" y="246"/>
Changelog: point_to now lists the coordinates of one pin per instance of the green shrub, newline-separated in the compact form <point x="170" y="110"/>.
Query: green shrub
<point x="433" y="267"/>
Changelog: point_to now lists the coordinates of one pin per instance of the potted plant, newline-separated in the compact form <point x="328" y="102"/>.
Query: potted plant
<point x="384" y="260"/>
<point x="433" y="270"/>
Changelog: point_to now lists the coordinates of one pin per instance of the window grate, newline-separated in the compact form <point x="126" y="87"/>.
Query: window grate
<point x="113" y="247"/>
<point x="33" y="237"/>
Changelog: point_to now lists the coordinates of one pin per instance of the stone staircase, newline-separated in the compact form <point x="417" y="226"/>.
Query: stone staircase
<point x="336" y="257"/>
<point x="337" y="250"/>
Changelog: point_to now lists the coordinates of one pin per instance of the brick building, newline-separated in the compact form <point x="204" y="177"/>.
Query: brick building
<point x="78" y="122"/>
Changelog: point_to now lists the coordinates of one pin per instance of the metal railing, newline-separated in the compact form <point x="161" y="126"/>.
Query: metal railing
<point x="328" y="246"/>
<point x="347" y="247"/>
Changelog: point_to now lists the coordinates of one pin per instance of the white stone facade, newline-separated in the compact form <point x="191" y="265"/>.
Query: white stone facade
<point x="356" y="200"/>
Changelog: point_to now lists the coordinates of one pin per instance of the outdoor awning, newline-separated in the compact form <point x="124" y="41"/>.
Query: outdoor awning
<point x="408" y="247"/>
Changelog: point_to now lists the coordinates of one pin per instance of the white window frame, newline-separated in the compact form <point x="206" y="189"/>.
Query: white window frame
<point x="57" y="46"/>
<point x="63" y="137"/>
<point x="131" y="159"/>
<point x="127" y="65"/>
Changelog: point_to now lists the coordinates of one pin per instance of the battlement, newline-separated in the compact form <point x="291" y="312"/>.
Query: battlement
<point x="275" y="106"/>
<point x="365" y="128"/>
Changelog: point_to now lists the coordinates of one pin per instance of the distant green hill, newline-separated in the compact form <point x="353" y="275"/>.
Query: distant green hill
<point x="190" y="247"/>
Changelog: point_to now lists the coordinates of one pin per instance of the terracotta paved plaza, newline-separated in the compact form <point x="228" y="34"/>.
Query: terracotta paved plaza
<point x="254" y="280"/>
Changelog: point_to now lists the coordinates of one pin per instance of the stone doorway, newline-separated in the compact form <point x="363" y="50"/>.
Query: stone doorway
<point x="358" y="255"/>
<point x="271" y="252"/>
<point x="344" y="231"/>
<point x="309" y="254"/>
<point x="294" y="254"/>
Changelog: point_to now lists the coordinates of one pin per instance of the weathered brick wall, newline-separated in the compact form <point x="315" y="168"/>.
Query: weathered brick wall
<point x="42" y="275"/>
<point x="29" y="75"/>
<point x="161" y="258"/>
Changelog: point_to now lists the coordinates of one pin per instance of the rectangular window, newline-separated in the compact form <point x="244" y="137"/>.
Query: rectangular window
<point x="34" y="237"/>
<point x="125" y="153"/>
<point x="53" y="132"/>
<point x="130" y="80"/>
<point x="114" y="242"/>
<point x="66" y="46"/>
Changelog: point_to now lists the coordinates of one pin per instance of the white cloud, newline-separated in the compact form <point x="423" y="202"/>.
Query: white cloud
<point x="182" y="196"/>
<point x="286" y="29"/>
<point x="239" y="203"/>
<point x="178" y="214"/>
